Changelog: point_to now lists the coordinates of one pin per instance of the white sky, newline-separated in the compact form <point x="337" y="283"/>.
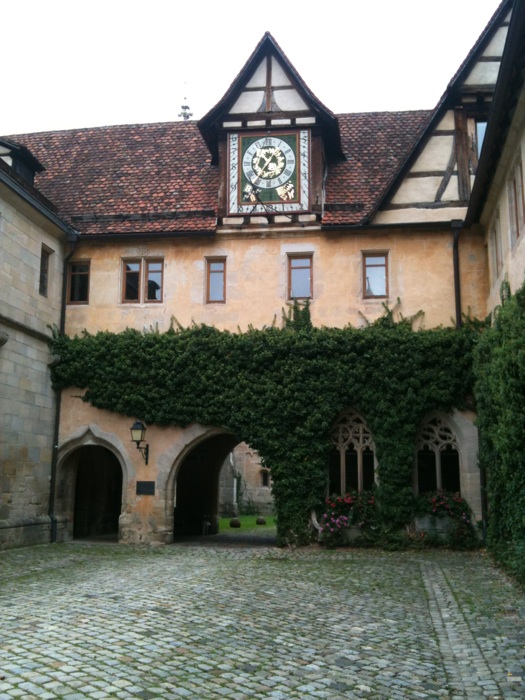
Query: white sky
<point x="73" y="63"/>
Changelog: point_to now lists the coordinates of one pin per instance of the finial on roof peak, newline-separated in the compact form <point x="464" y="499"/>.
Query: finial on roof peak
<point x="185" y="114"/>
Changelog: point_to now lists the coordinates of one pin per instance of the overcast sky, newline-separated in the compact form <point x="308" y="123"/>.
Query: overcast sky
<point x="72" y="63"/>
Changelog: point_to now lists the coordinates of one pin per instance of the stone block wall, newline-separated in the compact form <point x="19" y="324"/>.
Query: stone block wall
<point x="27" y="400"/>
<point x="241" y="488"/>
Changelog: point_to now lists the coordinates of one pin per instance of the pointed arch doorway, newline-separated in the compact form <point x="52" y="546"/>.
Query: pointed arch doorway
<point x="98" y="493"/>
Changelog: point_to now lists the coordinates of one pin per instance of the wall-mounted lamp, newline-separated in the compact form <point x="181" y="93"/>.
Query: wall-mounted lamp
<point x="138" y="435"/>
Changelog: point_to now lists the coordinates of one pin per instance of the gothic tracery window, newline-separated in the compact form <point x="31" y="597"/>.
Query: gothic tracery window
<point x="437" y="465"/>
<point x="352" y="459"/>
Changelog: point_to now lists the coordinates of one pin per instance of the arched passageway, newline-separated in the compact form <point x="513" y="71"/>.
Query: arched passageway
<point x="98" y="493"/>
<point x="197" y="487"/>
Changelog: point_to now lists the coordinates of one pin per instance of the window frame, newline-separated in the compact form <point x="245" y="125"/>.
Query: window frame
<point x="143" y="278"/>
<point x="365" y="255"/>
<point x="215" y="259"/>
<point x="436" y="437"/>
<point x="44" y="276"/>
<point x="481" y="128"/>
<point x="147" y="262"/>
<point x="300" y="256"/>
<point x="351" y="433"/>
<point x="265" y="478"/>
<point x="71" y="274"/>
<point x="516" y="201"/>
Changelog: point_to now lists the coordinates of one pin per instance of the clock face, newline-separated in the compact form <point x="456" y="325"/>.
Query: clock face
<point x="268" y="162"/>
<point x="268" y="173"/>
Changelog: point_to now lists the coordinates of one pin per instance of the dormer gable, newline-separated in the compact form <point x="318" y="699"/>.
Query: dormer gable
<point x="268" y="92"/>
<point x="21" y="161"/>
<point x="272" y="140"/>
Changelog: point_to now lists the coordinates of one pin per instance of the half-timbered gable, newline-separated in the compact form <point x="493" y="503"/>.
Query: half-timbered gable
<point x="435" y="182"/>
<point x="497" y="203"/>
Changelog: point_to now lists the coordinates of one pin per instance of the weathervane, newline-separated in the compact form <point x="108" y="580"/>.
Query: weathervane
<point x="185" y="114"/>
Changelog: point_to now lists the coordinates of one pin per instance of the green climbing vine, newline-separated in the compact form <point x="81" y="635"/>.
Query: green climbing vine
<point x="500" y="398"/>
<point x="280" y="390"/>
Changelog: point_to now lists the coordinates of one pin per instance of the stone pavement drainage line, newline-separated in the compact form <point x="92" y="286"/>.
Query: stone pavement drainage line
<point x="467" y="671"/>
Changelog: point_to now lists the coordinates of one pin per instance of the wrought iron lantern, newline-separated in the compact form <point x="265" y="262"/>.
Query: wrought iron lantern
<point x="138" y="435"/>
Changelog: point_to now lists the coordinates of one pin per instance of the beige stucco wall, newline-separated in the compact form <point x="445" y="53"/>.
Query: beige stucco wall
<point x="420" y="274"/>
<point x="144" y="519"/>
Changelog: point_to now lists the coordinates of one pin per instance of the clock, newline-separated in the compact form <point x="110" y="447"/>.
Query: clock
<point x="268" y="172"/>
<point x="268" y="163"/>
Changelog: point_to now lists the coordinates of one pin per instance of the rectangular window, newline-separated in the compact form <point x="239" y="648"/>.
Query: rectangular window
<point x="142" y="281"/>
<point x="481" y="127"/>
<point x="375" y="275"/>
<point x="153" y="290"/>
<point x="78" y="283"/>
<point x="131" y="280"/>
<point x="300" y="269"/>
<point x="215" y="280"/>
<point x="45" y="259"/>
<point x="516" y="202"/>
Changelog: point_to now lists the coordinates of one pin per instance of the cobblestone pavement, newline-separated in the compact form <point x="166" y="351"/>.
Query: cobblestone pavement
<point x="85" y="620"/>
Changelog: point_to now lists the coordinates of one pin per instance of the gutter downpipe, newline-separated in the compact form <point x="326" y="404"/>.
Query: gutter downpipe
<point x="456" y="225"/>
<point x="72" y="239"/>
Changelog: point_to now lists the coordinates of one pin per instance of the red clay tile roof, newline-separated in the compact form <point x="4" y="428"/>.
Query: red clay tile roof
<point x="152" y="178"/>
<point x="138" y="178"/>
<point x="376" y="145"/>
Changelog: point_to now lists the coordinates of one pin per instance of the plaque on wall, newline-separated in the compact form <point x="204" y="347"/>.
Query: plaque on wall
<point x="145" y="488"/>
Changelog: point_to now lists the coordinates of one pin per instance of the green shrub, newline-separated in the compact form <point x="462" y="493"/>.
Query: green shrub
<point x="500" y="396"/>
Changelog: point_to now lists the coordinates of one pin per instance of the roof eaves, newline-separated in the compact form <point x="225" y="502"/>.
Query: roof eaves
<point x="150" y="235"/>
<point x="34" y="201"/>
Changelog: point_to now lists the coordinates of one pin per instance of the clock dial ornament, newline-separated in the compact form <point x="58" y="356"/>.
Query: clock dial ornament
<point x="268" y="163"/>
<point x="268" y="172"/>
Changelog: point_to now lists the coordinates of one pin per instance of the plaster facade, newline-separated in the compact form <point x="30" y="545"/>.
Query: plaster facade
<point x="420" y="274"/>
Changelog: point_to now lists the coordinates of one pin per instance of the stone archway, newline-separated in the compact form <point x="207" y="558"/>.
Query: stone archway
<point x="196" y="501"/>
<point x="93" y="474"/>
<point x="98" y="493"/>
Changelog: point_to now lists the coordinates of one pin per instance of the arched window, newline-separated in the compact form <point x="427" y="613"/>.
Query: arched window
<point x="352" y="460"/>
<point x="265" y="478"/>
<point x="437" y="465"/>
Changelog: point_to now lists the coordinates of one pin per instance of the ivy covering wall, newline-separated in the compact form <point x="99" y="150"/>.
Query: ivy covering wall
<point x="500" y="400"/>
<point x="280" y="390"/>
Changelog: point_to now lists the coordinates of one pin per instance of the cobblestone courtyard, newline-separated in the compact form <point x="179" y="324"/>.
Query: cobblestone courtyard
<point x="109" y="621"/>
